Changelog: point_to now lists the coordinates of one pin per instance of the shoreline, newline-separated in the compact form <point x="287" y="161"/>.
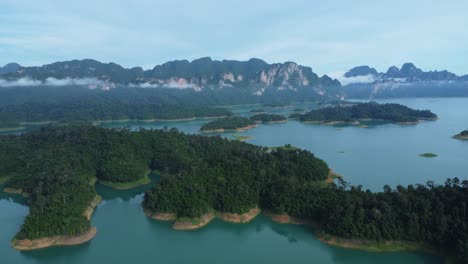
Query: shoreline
<point x="273" y="122"/>
<point x="33" y="244"/>
<point x="359" y="124"/>
<point x="157" y="120"/>
<point x="240" y="218"/>
<point x="98" y="122"/>
<point x="357" y="244"/>
<point x="222" y="130"/>
<point x="193" y="223"/>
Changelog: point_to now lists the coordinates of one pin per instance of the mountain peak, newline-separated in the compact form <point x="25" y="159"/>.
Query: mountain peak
<point x="9" y="68"/>
<point x="363" y="70"/>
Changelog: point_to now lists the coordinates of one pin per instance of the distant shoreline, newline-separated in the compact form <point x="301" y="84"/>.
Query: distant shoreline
<point x="359" y="124"/>
<point x="22" y="125"/>
<point x="223" y="130"/>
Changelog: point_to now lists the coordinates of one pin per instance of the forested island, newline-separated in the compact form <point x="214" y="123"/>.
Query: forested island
<point x="268" y="118"/>
<point x="207" y="177"/>
<point x="232" y="123"/>
<point x="462" y="136"/>
<point x="258" y="110"/>
<point x="394" y="113"/>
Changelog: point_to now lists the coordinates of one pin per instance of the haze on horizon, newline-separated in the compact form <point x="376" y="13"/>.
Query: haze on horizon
<point x="331" y="36"/>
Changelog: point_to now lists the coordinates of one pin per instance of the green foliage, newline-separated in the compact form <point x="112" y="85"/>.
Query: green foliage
<point x="268" y="118"/>
<point x="227" y="123"/>
<point x="372" y="110"/>
<point x="55" y="164"/>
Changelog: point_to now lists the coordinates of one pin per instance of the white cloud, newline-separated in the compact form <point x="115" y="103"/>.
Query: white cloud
<point x="91" y="83"/>
<point x="358" y="79"/>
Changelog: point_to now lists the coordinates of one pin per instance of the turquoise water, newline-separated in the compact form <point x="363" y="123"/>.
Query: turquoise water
<point x="384" y="154"/>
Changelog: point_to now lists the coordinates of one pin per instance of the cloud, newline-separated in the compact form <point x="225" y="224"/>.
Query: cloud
<point x="358" y="79"/>
<point x="91" y="83"/>
<point x="170" y="84"/>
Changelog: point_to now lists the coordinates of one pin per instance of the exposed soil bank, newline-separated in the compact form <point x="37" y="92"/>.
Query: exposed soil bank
<point x="27" y="244"/>
<point x="193" y="223"/>
<point x="16" y="191"/>
<point x="186" y="223"/>
<point x="161" y="216"/>
<point x="240" y="218"/>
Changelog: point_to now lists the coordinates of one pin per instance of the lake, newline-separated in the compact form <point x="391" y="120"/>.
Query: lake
<point x="372" y="157"/>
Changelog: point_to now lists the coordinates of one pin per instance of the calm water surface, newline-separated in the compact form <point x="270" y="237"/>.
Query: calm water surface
<point x="372" y="157"/>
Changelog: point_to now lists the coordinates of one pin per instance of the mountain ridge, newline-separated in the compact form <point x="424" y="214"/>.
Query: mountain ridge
<point x="202" y="73"/>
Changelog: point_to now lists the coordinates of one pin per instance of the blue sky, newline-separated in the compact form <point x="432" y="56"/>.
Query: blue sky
<point x="329" y="36"/>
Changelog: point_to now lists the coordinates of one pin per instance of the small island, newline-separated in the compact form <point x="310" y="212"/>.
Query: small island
<point x="295" y="116"/>
<point x="299" y="110"/>
<point x="258" y="110"/>
<point x="228" y="124"/>
<point x="364" y="112"/>
<point x="276" y="105"/>
<point x="269" y="118"/>
<point x="428" y="155"/>
<point x="462" y="136"/>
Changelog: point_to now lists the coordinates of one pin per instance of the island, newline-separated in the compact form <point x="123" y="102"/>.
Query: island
<point x="269" y="118"/>
<point x="276" y="105"/>
<point x="258" y="110"/>
<point x="213" y="177"/>
<point x="362" y="112"/>
<point x="228" y="124"/>
<point x="462" y="136"/>
<point x="428" y="155"/>
<point x="295" y="116"/>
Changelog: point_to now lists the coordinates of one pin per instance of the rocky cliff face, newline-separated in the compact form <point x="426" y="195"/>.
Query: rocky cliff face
<point x="200" y="74"/>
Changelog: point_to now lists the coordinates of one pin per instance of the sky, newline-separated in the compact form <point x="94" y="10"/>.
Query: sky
<point x="329" y="36"/>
